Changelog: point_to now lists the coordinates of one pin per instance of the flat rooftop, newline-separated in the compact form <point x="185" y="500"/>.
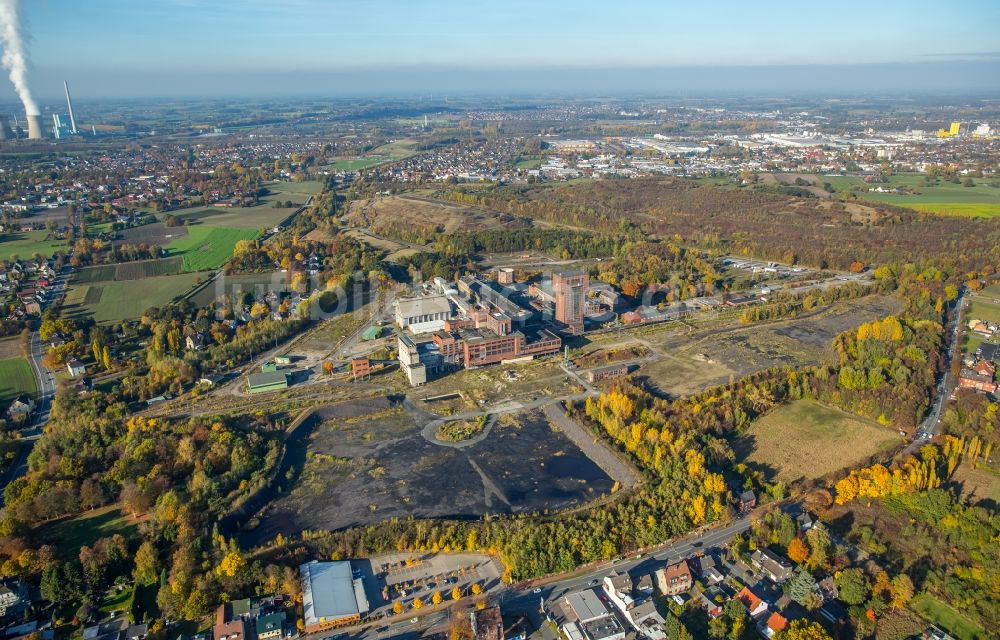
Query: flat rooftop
<point x="329" y="592"/>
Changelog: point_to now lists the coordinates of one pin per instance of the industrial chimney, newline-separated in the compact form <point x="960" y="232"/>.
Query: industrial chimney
<point x="5" y="132"/>
<point x="34" y="128"/>
<point x="69" y="105"/>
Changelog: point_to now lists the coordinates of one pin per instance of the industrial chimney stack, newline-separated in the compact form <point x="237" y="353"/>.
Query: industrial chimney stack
<point x="69" y="105"/>
<point x="34" y="128"/>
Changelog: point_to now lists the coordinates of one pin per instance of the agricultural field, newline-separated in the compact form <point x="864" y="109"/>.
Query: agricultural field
<point x="136" y="270"/>
<point x="207" y="247"/>
<point x="264" y="215"/>
<point x="390" y="152"/>
<point x="111" y="301"/>
<point x="16" y="377"/>
<point x="26" y="244"/>
<point x="806" y="439"/>
<point x="944" y="197"/>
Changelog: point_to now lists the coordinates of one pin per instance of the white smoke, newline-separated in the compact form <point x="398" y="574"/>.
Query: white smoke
<point x="15" y="59"/>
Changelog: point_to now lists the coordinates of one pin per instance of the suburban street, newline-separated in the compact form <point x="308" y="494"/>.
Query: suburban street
<point x="43" y="405"/>
<point x="946" y="386"/>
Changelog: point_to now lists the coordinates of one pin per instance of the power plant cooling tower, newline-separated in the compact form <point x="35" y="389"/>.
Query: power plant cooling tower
<point x="34" y="128"/>
<point x="5" y="132"/>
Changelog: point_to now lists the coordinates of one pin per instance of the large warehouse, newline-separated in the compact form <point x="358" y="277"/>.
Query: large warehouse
<point x="331" y="595"/>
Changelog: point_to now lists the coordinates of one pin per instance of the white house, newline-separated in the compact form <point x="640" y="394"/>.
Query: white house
<point x="76" y="368"/>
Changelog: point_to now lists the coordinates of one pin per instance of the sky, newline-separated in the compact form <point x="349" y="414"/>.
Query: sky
<point x="126" y="48"/>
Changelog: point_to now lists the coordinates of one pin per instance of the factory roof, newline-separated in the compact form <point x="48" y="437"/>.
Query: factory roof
<point x="329" y="592"/>
<point x="424" y="305"/>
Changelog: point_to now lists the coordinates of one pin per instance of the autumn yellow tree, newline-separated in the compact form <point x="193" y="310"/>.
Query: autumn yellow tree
<point x="436" y="598"/>
<point x="456" y="594"/>
<point x="803" y="630"/>
<point x="232" y="563"/>
<point x="397" y="607"/>
<point x="418" y="603"/>
<point x="797" y="551"/>
<point x="476" y="589"/>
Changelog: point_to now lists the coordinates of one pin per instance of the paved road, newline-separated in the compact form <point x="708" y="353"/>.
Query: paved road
<point x="946" y="386"/>
<point x="685" y="547"/>
<point x="46" y="383"/>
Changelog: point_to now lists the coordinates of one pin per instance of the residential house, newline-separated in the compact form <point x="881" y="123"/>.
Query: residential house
<point x="647" y="620"/>
<point x="644" y="587"/>
<point x="136" y="632"/>
<point x="674" y="578"/>
<point x="705" y="567"/>
<point x="76" y="368"/>
<point x="980" y="378"/>
<point x="746" y="501"/>
<point x="804" y="520"/>
<point x="772" y="565"/>
<point x="196" y="341"/>
<point x="618" y="586"/>
<point x="22" y="407"/>
<point x="12" y="597"/>
<point x="712" y="608"/>
<point x="828" y="588"/>
<point x="754" y="604"/>
<point x="227" y="626"/>
<point x="270" y="625"/>
<point x="772" y="624"/>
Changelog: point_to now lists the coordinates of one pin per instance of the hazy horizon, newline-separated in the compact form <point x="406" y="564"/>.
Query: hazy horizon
<point x="918" y="79"/>
<point x="123" y="49"/>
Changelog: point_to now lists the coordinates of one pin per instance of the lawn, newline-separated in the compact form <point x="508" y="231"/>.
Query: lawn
<point x="116" y="301"/>
<point x="16" y="377"/>
<point x="84" y="530"/>
<point x="981" y="307"/>
<point x="25" y="245"/>
<point x="806" y="439"/>
<point x="207" y="247"/>
<point x="947" y="618"/>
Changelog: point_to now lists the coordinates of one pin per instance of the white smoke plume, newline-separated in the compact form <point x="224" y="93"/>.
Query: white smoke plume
<point x="15" y="59"/>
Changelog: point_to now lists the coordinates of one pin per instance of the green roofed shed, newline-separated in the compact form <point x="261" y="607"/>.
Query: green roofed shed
<point x="267" y="381"/>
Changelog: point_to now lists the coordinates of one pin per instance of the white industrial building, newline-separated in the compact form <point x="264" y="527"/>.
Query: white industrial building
<point x="425" y="314"/>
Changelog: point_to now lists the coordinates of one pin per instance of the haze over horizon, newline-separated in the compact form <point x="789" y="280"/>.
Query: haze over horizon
<point x="121" y="49"/>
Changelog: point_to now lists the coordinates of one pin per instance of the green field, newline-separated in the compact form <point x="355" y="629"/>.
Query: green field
<point x="264" y="215"/>
<point x="25" y="245"/>
<point x="207" y="247"/>
<point x="386" y="153"/>
<point x="86" y="529"/>
<point x="16" y="377"/>
<point x="130" y="270"/>
<point x="947" y="618"/>
<point x="944" y="197"/>
<point x="806" y="439"/>
<point x="125" y="300"/>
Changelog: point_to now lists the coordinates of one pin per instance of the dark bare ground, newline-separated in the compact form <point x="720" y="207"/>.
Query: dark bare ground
<point x="366" y="461"/>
